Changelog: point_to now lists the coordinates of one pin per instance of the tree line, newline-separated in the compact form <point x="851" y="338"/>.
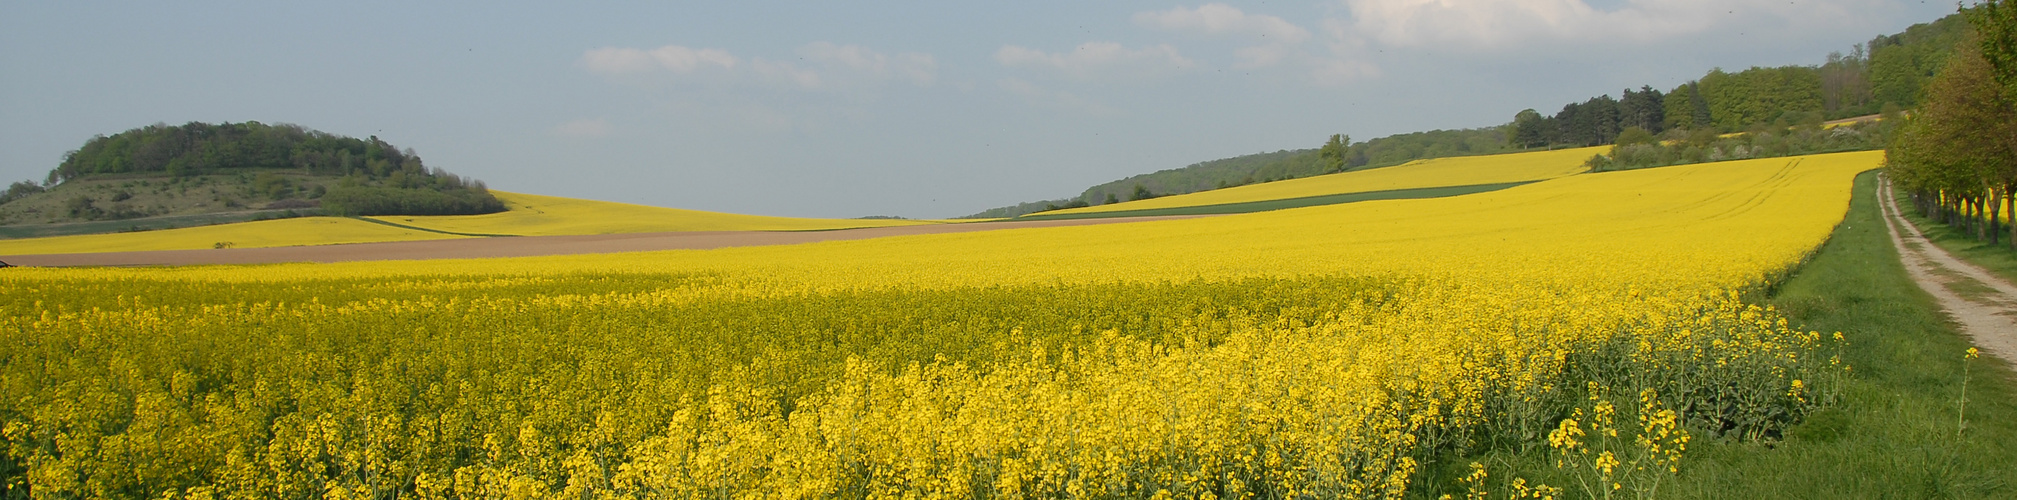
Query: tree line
<point x="1957" y="156"/>
<point x="1888" y="73"/>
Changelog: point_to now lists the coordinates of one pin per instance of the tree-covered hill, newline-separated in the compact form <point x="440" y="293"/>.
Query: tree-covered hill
<point x="1888" y="73"/>
<point x="1279" y="165"/>
<point x="152" y="170"/>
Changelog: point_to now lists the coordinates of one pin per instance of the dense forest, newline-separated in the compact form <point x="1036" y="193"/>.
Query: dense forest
<point x="377" y="178"/>
<point x="1781" y="108"/>
<point x="1957" y="156"/>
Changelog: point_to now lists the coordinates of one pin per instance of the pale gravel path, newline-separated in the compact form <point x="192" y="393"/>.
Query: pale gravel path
<point x="1987" y="312"/>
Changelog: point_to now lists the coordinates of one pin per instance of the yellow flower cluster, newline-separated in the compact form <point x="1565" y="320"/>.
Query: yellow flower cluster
<point x="1317" y="352"/>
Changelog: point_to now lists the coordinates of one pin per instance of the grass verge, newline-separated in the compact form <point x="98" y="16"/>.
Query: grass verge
<point x="1998" y="259"/>
<point x="1894" y="433"/>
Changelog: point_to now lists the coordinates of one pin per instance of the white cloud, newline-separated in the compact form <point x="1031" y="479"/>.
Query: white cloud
<point x="777" y="72"/>
<point x="1040" y="96"/>
<point x="1335" y="72"/>
<point x="1275" y="39"/>
<point x="1098" y="59"/>
<point x="583" y="128"/>
<point x="824" y="66"/>
<point x="618" y="61"/>
<point x="1222" y="19"/>
<point x="918" y="69"/>
<point x="1500" y="24"/>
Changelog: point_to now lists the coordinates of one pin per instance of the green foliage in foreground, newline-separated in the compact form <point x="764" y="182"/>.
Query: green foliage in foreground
<point x="1893" y="434"/>
<point x="1896" y="433"/>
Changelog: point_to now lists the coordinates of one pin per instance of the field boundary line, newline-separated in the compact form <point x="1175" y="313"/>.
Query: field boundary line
<point x="1242" y="207"/>
<point x="438" y="231"/>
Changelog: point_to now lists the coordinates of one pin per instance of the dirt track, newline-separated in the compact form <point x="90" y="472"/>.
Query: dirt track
<point x="525" y="246"/>
<point x="1984" y="305"/>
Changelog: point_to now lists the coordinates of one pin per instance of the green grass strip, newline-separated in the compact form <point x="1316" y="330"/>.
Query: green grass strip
<point x="1896" y="431"/>
<point x="1286" y="203"/>
<point x="418" y="228"/>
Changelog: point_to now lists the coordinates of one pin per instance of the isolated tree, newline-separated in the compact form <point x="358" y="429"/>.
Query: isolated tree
<point x="1333" y="153"/>
<point x="1141" y="193"/>
<point x="1529" y="129"/>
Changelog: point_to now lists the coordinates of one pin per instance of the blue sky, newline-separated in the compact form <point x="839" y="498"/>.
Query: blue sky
<point x="845" y="109"/>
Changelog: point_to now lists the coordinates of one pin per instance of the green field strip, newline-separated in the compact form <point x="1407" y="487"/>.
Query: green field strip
<point x="143" y="224"/>
<point x="438" y="231"/>
<point x="1286" y="203"/>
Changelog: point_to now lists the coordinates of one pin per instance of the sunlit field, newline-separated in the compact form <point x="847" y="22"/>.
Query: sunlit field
<point x="256" y="234"/>
<point x="1330" y="351"/>
<point x="535" y="215"/>
<point x="1440" y="172"/>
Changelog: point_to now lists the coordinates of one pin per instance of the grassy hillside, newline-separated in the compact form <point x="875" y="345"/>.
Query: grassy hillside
<point x="121" y="197"/>
<point x="1436" y="173"/>
<point x="536" y="215"/>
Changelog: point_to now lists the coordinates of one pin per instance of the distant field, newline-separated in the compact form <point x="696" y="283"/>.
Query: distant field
<point x="256" y="234"/>
<point x="529" y="215"/>
<point x="535" y="215"/>
<point x="1436" y="173"/>
<point x="1266" y="205"/>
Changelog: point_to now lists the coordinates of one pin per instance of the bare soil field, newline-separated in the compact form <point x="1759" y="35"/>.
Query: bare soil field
<point x="525" y="246"/>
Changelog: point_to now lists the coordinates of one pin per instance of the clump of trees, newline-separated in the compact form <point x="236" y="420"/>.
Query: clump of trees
<point x="1957" y="156"/>
<point x="1636" y="148"/>
<point x="19" y="190"/>
<point x="378" y="178"/>
<point x="375" y="200"/>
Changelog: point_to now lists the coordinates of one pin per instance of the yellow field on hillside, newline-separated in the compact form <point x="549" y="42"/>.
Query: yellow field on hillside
<point x="536" y="215"/>
<point x="1438" y="172"/>
<point x="1317" y="352"/>
<point x="254" y="234"/>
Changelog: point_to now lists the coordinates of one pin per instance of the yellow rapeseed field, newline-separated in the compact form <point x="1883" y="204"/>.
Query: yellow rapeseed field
<point x="535" y="215"/>
<point x="1439" y="172"/>
<point x="1328" y="352"/>
<point x="528" y="215"/>
<point x="255" y="234"/>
